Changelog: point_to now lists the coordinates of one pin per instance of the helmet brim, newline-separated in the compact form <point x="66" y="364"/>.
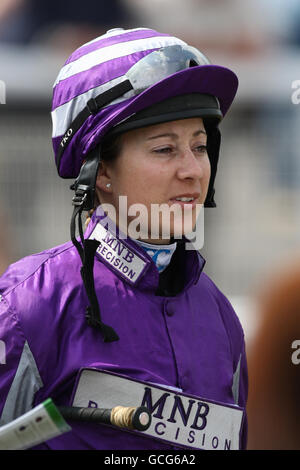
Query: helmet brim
<point x="206" y="79"/>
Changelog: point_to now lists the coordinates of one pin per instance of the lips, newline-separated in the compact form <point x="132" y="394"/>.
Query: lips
<point x="187" y="199"/>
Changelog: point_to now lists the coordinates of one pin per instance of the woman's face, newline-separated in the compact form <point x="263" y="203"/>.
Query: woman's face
<point x="157" y="165"/>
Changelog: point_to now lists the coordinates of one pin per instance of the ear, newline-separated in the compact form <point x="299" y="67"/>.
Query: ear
<point x="103" y="181"/>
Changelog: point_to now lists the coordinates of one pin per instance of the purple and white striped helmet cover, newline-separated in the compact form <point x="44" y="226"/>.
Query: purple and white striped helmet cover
<point x="102" y="63"/>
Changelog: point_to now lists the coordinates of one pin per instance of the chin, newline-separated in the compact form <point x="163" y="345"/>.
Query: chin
<point x="178" y="229"/>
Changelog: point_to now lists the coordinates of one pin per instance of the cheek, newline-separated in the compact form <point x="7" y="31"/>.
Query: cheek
<point x="205" y="168"/>
<point x="206" y="173"/>
<point x="133" y="181"/>
<point x="138" y="178"/>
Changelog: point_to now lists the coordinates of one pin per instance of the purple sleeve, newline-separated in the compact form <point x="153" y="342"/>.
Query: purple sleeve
<point x="19" y="376"/>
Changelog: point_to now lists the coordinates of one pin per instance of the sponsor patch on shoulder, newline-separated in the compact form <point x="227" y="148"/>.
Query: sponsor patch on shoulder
<point x="184" y="420"/>
<point x="117" y="255"/>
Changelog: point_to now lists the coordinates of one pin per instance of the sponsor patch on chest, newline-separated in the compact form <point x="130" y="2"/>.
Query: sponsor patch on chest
<point x="183" y="420"/>
<point x="117" y="255"/>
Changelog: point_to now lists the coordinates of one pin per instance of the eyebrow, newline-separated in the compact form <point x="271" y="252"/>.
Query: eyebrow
<point x="171" y="134"/>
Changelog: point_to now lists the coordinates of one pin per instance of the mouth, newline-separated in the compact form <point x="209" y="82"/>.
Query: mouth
<point x="186" y="200"/>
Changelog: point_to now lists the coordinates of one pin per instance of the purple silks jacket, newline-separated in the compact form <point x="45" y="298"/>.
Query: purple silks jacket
<point x="190" y="343"/>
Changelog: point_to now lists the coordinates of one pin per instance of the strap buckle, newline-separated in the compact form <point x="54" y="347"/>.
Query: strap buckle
<point x="80" y="197"/>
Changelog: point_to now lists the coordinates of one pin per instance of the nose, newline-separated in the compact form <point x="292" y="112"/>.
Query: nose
<point x="191" y="166"/>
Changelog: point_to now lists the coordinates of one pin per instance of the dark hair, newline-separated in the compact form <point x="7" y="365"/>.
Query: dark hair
<point x="110" y="148"/>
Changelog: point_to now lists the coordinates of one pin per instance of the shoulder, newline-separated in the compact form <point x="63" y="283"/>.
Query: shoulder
<point x="44" y="286"/>
<point x="20" y="273"/>
<point x="38" y="290"/>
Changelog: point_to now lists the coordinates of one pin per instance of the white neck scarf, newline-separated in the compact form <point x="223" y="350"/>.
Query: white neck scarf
<point x="160" y="254"/>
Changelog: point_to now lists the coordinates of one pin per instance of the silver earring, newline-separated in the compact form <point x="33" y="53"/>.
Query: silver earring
<point x="108" y="185"/>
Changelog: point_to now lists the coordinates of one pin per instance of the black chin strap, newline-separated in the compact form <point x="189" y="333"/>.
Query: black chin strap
<point x="84" y="187"/>
<point x="213" y="149"/>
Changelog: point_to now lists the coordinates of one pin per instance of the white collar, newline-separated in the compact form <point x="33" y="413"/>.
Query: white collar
<point x="160" y="254"/>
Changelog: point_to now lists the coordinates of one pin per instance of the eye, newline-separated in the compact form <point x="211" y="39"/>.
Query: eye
<point x="163" y="150"/>
<point x="201" y="149"/>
